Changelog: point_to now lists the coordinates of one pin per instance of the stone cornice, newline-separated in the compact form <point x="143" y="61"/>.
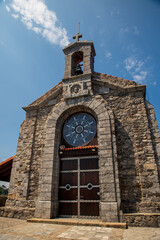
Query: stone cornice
<point x="123" y="88"/>
<point x="84" y="42"/>
<point x="77" y="77"/>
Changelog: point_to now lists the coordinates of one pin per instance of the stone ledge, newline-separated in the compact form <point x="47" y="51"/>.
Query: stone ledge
<point x="141" y="214"/>
<point x="142" y="219"/>
<point x="79" y="222"/>
<point x="80" y="77"/>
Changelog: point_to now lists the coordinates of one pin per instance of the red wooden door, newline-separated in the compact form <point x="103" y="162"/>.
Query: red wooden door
<point x="79" y="187"/>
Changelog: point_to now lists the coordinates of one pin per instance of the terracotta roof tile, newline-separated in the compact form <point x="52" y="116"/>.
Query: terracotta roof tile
<point x="7" y="160"/>
<point x="80" y="148"/>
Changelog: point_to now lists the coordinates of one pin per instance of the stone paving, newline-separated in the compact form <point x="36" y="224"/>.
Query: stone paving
<point x="14" y="229"/>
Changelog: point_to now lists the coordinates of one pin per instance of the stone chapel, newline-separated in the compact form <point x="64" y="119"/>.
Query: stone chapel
<point x="88" y="148"/>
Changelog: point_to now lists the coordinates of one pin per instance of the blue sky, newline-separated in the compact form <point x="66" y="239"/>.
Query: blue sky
<point x="126" y="35"/>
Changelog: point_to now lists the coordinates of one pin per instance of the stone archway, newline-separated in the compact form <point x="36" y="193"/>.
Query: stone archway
<point x="47" y="204"/>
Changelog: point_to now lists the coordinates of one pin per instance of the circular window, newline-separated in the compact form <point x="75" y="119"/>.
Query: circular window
<point x="79" y="129"/>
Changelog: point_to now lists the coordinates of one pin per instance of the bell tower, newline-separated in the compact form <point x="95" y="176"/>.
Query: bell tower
<point x="79" y="66"/>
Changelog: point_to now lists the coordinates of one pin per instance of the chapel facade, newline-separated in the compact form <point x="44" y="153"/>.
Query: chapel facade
<point x="88" y="148"/>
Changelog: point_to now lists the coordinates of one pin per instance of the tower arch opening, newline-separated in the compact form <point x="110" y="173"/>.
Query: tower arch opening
<point x="77" y="63"/>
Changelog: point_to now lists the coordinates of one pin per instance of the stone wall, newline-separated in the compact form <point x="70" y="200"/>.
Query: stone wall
<point x="134" y="145"/>
<point x="47" y="204"/>
<point x="18" y="191"/>
<point x="126" y="110"/>
<point x="23" y="190"/>
<point x="135" y="150"/>
<point x="17" y="212"/>
<point x="142" y="219"/>
<point x="154" y="133"/>
<point x="38" y="146"/>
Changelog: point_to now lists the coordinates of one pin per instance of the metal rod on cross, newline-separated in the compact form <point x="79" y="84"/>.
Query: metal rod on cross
<point x="77" y="36"/>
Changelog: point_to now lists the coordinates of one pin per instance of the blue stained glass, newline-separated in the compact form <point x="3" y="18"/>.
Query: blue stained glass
<point x="79" y="129"/>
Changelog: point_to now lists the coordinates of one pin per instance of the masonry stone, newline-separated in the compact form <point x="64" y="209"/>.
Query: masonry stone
<point x="127" y="143"/>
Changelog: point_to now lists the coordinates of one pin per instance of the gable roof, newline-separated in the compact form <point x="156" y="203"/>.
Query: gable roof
<point x="100" y="78"/>
<point x="53" y="92"/>
<point x="113" y="80"/>
<point x="5" y="169"/>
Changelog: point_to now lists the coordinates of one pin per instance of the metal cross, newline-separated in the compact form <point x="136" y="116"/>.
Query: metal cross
<point x="77" y="36"/>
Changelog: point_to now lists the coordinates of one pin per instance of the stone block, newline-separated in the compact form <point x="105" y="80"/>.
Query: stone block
<point x="109" y="211"/>
<point x="149" y="166"/>
<point x="52" y="102"/>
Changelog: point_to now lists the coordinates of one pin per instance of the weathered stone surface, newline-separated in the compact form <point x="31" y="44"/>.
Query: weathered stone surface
<point x="128" y="145"/>
<point x="142" y="220"/>
<point x="16" y="212"/>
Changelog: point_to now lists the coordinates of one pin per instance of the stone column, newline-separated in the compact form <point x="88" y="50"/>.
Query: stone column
<point x="18" y="190"/>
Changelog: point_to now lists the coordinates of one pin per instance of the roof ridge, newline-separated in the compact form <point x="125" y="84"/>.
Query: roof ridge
<point x="7" y="160"/>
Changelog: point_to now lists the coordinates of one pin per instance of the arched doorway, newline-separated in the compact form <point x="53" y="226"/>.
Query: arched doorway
<point x="79" y="167"/>
<point x="47" y="205"/>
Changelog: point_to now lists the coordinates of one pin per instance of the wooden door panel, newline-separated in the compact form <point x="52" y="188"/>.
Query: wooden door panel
<point x="87" y="194"/>
<point x="68" y="208"/>
<point x="89" y="177"/>
<point x="69" y="178"/>
<point x="91" y="163"/>
<point x="69" y="165"/>
<point x="89" y="209"/>
<point x="83" y="199"/>
<point x="68" y="194"/>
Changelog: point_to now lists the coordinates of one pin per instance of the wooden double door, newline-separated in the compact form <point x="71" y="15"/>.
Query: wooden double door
<point x="79" y="187"/>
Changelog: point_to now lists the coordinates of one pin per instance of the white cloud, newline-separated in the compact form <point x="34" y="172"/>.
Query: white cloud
<point x="15" y="16"/>
<point x="7" y="8"/>
<point x="140" y="77"/>
<point x="37" y="17"/>
<point x="37" y="30"/>
<point x="135" y="67"/>
<point x="108" y="54"/>
<point x="133" y="30"/>
<point x="130" y="63"/>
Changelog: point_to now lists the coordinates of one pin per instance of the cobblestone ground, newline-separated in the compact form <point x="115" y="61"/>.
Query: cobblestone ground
<point x="14" y="229"/>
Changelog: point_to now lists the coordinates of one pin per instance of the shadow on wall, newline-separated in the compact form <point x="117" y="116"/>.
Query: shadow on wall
<point x="128" y="174"/>
<point x="2" y="200"/>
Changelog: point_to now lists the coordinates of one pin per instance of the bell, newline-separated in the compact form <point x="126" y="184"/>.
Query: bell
<point x="78" y="70"/>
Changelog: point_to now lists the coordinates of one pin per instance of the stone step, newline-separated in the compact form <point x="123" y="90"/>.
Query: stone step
<point x="79" y="222"/>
